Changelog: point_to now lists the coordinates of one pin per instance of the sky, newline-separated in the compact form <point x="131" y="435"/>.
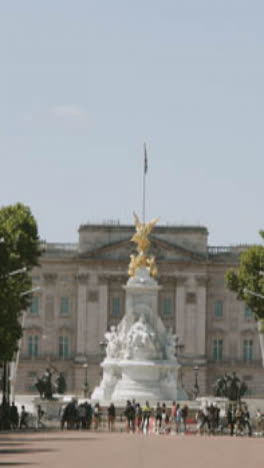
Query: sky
<point x="85" y="83"/>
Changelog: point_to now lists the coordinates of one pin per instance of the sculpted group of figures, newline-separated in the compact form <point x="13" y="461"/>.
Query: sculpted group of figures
<point x="230" y="387"/>
<point x="46" y="387"/>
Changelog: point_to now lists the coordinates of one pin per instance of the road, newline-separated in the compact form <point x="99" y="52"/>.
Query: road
<point x="79" y="449"/>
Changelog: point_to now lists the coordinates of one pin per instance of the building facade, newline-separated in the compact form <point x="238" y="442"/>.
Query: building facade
<point x="82" y="295"/>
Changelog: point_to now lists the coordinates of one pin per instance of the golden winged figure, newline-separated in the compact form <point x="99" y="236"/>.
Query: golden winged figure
<point x="141" y="239"/>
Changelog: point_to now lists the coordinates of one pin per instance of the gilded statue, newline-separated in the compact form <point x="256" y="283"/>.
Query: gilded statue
<point x="140" y="238"/>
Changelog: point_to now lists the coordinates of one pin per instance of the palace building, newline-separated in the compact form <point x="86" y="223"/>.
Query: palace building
<point x="82" y="295"/>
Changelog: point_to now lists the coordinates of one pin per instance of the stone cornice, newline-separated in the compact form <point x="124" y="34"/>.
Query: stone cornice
<point x="167" y="280"/>
<point x="82" y="278"/>
<point x="181" y="280"/>
<point x="50" y="278"/>
<point x="109" y="279"/>
<point x="201" y="281"/>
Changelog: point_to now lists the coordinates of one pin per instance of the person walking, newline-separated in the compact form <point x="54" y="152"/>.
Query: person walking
<point x="173" y="416"/>
<point x="40" y="414"/>
<point x="158" y="418"/>
<point x="97" y="416"/>
<point x="178" y="419"/>
<point x="14" y="417"/>
<point x="146" y="410"/>
<point x="23" y="418"/>
<point x="138" y="419"/>
<point x="184" y="415"/>
<point x="111" y="417"/>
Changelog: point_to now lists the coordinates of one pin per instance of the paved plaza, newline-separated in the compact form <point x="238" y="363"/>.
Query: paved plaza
<point x="72" y="449"/>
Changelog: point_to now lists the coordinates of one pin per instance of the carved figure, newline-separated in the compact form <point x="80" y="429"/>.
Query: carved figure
<point x="46" y="387"/>
<point x="141" y="239"/>
<point x="170" y="345"/>
<point x="141" y="340"/>
<point x="230" y="387"/>
<point x="61" y="384"/>
<point x="113" y="346"/>
<point x="109" y="381"/>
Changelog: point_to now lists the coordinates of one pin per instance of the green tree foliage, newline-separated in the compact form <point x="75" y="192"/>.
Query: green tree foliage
<point x="249" y="277"/>
<point x="19" y="247"/>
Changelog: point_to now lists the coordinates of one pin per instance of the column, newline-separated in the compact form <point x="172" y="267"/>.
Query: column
<point x="201" y="315"/>
<point x="103" y="306"/>
<point x="82" y="279"/>
<point x="180" y="306"/>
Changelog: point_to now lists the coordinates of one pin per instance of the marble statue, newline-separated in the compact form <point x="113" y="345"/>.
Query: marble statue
<point x="140" y="360"/>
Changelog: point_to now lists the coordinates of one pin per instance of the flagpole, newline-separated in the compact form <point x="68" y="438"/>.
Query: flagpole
<point x="144" y="197"/>
<point x="144" y="183"/>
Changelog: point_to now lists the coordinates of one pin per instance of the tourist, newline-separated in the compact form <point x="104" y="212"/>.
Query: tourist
<point x="130" y="416"/>
<point x="23" y="418"/>
<point x="97" y="416"/>
<point x="81" y="416"/>
<point x="200" y="421"/>
<point x="88" y="415"/>
<point x="14" y="417"/>
<point x="163" y="417"/>
<point x="230" y="419"/>
<point x="40" y="414"/>
<point x="238" y="426"/>
<point x="184" y="415"/>
<point x="173" y="416"/>
<point x="158" y="417"/>
<point x="146" y="411"/>
<point x="259" y="423"/>
<point x="246" y="420"/>
<point x="111" y="417"/>
<point x="178" y="419"/>
<point x="138" y="418"/>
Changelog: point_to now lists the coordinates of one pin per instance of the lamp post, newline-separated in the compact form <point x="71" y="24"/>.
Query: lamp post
<point x="196" y="389"/>
<point x="86" y="384"/>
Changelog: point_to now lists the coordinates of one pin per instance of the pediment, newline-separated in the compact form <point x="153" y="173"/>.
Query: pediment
<point x="162" y="250"/>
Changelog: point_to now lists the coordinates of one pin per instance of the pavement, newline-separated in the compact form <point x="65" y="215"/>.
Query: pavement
<point x="78" y="449"/>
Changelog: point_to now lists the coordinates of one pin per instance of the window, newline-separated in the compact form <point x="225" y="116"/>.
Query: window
<point x="34" y="309"/>
<point x="64" y="347"/>
<point x="218" y="350"/>
<point x="33" y="345"/>
<point x="218" y="309"/>
<point x="64" y="306"/>
<point x="116" y="306"/>
<point x="248" y="314"/>
<point x="191" y="298"/>
<point x="167" y="306"/>
<point x="247" y="350"/>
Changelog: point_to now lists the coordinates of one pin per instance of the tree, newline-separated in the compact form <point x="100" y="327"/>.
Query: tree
<point x="248" y="283"/>
<point x="19" y="247"/>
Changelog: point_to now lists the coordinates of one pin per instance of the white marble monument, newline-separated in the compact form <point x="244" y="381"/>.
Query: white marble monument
<point x="140" y="360"/>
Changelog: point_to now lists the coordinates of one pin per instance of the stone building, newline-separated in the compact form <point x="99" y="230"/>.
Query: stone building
<point x="82" y="295"/>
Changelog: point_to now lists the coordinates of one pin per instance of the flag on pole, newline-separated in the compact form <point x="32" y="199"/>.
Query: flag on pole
<point x="145" y="159"/>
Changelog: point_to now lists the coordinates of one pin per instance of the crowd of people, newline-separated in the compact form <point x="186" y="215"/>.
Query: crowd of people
<point x="161" y="419"/>
<point x="137" y="418"/>
<point x="11" y="418"/>
<point x="235" y="420"/>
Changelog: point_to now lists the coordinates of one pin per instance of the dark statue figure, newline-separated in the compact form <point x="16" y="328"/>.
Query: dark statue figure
<point x="230" y="387"/>
<point x="61" y="384"/>
<point x="47" y="388"/>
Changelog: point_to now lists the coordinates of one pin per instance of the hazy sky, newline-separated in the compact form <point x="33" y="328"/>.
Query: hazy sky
<point x="84" y="83"/>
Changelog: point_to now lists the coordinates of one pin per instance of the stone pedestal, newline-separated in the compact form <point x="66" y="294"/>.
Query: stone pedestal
<point x="52" y="408"/>
<point x="140" y="358"/>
